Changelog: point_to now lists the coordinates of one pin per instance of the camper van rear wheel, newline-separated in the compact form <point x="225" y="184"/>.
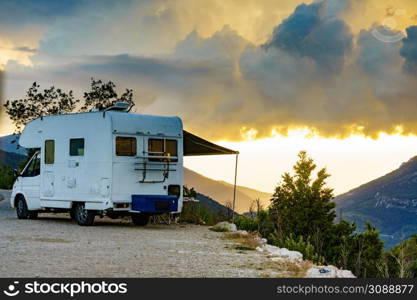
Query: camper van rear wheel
<point x="22" y="210"/>
<point x="140" y="219"/>
<point x="72" y="213"/>
<point x="83" y="216"/>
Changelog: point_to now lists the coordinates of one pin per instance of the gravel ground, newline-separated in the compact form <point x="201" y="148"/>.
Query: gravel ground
<point x="54" y="246"/>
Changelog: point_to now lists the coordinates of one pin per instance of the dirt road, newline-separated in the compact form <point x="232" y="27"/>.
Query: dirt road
<point x="54" y="246"/>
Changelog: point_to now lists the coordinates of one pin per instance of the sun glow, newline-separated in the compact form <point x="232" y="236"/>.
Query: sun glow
<point x="351" y="161"/>
<point x="8" y="52"/>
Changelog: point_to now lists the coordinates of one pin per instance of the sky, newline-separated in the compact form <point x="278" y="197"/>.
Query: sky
<point x="268" y="77"/>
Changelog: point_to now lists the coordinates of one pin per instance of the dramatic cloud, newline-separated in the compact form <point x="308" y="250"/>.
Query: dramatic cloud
<point x="409" y="50"/>
<point x="22" y="25"/>
<point x="155" y="27"/>
<point x="311" y="67"/>
<point x="376" y="57"/>
<point x="311" y="31"/>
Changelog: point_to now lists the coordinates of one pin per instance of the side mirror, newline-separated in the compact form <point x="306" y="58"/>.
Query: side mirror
<point x="16" y="173"/>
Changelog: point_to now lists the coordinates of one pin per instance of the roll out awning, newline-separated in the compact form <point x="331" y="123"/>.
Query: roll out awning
<point x="194" y="146"/>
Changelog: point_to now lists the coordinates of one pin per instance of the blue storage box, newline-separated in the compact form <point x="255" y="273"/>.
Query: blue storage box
<point x="154" y="203"/>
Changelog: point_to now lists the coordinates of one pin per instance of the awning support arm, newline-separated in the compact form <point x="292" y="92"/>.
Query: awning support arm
<point x="234" y="188"/>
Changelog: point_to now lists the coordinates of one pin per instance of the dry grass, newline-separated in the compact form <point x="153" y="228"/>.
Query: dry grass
<point x="279" y="269"/>
<point x="285" y="269"/>
<point x="245" y="241"/>
<point x="242" y="247"/>
<point x="268" y="268"/>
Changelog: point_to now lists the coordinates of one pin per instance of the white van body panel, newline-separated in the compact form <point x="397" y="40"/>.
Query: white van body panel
<point x="99" y="178"/>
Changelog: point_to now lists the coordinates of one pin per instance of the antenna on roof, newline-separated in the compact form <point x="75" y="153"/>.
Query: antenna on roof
<point x="119" y="106"/>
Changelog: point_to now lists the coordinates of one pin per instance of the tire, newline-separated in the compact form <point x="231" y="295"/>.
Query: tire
<point x="22" y="210"/>
<point x="83" y="216"/>
<point x="140" y="219"/>
<point x="72" y="213"/>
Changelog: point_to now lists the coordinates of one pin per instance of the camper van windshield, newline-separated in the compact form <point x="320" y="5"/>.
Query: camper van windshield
<point x="34" y="168"/>
<point x="163" y="148"/>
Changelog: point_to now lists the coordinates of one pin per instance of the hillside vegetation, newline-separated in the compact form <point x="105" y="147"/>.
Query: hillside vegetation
<point x="301" y="217"/>
<point x="389" y="202"/>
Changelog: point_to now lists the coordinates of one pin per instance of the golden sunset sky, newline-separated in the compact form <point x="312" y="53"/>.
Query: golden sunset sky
<point x="337" y="78"/>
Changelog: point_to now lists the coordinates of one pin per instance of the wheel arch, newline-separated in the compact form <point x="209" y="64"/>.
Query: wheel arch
<point x="17" y="197"/>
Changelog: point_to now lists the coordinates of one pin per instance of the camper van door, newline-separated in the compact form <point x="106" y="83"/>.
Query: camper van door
<point x="30" y="182"/>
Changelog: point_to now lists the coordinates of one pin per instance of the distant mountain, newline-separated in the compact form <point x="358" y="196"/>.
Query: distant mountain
<point x="10" y="154"/>
<point x="10" y="159"/>
<point x="9" y="143"/>
<point x="222" y="192"/>
<point x="389" y="202"/>
<point x="211" y="204"/>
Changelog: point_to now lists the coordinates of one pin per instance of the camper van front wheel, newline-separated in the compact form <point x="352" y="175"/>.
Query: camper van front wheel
<point x="22" y="210"/>
<point x="83" y="216"/>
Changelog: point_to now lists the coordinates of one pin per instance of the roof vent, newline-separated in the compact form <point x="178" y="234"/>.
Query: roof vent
<point x="119" y="106"/>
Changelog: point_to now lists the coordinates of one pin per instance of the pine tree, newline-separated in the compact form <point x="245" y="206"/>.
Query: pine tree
<point x="302" y="205"/>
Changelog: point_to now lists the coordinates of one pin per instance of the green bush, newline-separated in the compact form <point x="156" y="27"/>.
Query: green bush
<point x="265" y="223"/>
<point x="401" y="261"/>
<point x="194" y="212"/>
<point x="6" y="177"/>
<point x="301" y="245"/>
<point x="246" y="223"/>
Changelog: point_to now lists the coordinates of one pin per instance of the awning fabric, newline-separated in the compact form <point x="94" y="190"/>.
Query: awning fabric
<point x="194" y="146"/>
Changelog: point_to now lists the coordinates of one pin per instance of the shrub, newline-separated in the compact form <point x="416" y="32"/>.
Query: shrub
<point x="6" y="177"/>
<point x="301" y="245"/>
<point x="262" y="223"/>
<point x="194" y="212"/>
<point x="246" y="223"/>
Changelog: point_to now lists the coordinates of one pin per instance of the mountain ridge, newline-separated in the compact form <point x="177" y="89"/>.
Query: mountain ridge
<point x="10" y="159"/>
<point x="389" y="202"/>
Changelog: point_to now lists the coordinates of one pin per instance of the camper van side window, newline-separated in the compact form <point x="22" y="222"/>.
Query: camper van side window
<point x="49" y="151"/>
<point x="76" y="147"/>
<point x="162" y="148"/>
<point x="156" y="147"/>
<point x="171" y="147"/>
<point x="125" y="146"/>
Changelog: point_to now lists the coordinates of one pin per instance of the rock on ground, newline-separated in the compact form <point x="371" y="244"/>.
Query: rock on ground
<point x="284" y="255"/>
<point x="277" y="254"/>
<point x="225" y="227"/>
<point x="328" y="272"/>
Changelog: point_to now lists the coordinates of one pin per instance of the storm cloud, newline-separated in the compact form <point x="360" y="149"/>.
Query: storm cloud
<point x="409" y="50"/>
<point x="311" y="70"/>
<point x="311" y="31"/>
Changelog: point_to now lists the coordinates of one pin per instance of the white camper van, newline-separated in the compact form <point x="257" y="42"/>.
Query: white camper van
<point x="109" y="162"/>
<point x="101" y="163"/>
